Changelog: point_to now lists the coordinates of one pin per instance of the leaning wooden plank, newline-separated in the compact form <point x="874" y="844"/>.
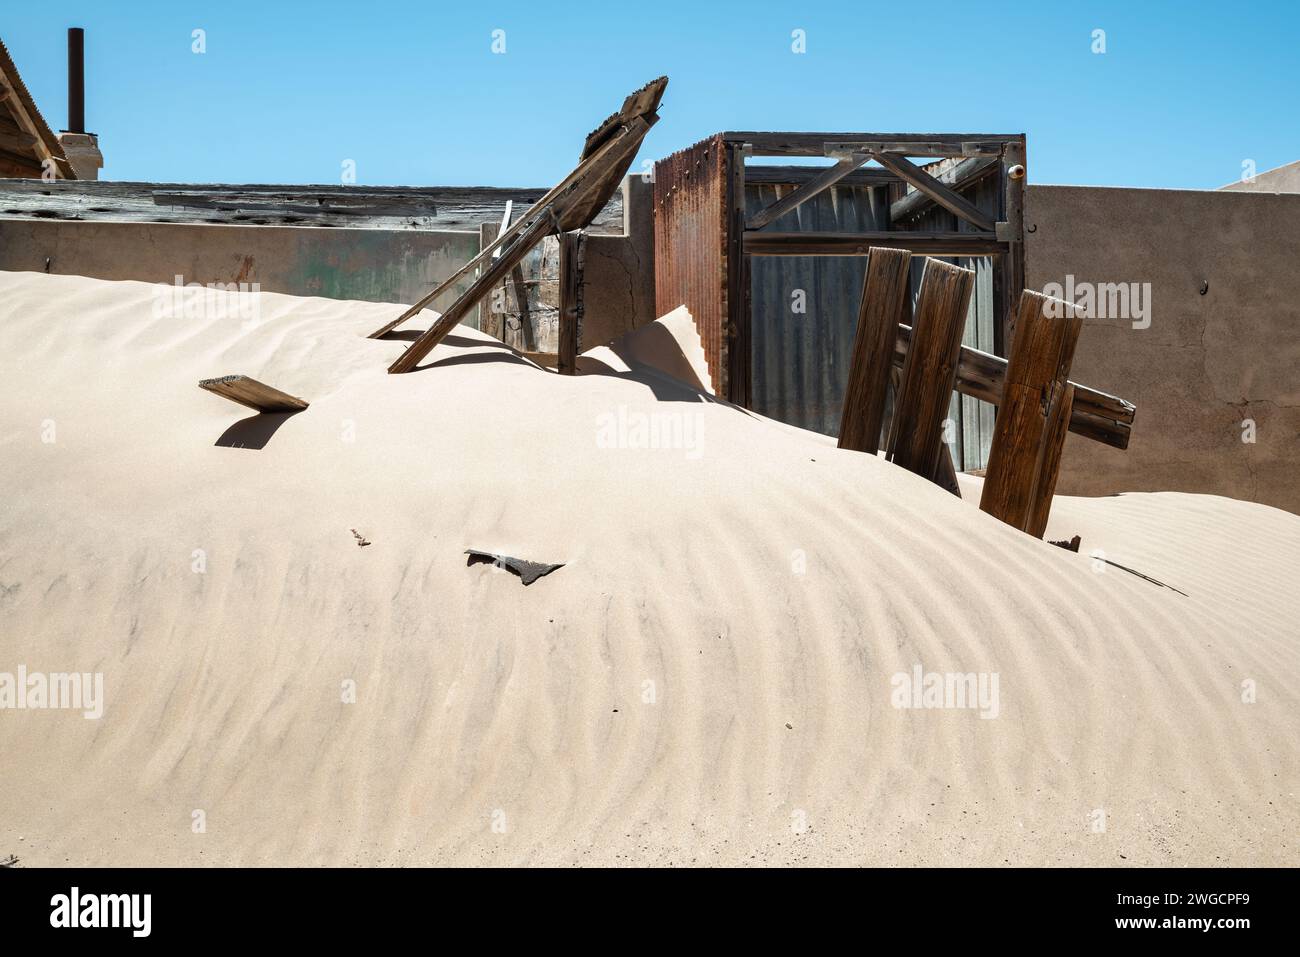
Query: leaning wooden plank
<point x="1096" y="415"/>
<point x="823" y="181"/>
<point x="493" y="273"/>
<point x="615" y="147"/>
<point x="883" y="288"/>
<point x="925" y="392"/>
<point x="1049" y="468"/>
<point x="941" y="194"/>
<point x="256" y="395"/>
<point x="1037" y="375"/>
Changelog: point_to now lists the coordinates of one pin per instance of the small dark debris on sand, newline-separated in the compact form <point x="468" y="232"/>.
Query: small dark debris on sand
<point x="9" y="861"/>
<point x="1071" y="546"/>
<point x="362" y="542"/>
<point x="527" y="571"/>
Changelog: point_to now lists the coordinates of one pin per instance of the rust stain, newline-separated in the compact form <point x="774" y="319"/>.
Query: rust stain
<point x="245" y="269"/>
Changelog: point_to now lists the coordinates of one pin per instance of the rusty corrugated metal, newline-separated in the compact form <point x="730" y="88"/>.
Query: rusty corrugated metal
<point x="690" y="245"/>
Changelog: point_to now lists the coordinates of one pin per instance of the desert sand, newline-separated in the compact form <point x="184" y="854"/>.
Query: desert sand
<point x="708" y="679"/>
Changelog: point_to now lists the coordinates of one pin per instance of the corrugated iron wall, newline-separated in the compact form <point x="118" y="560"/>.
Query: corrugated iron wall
<point x="973" y="419"/>
<point x="690" y="244"/>
<point x="805" y="308"/>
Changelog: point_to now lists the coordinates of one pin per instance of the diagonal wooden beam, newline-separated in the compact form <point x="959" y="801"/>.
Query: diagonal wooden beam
<point x="538" y="227"/>
<point x="615" y="147"/>
<point x="945" y="197"/>
<point x="806" y="191"/>
<point x="963" y="174"/>
<point x="883" y="290"/>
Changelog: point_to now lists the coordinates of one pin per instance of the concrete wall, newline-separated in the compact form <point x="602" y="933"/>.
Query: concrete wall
<point x="1208" y="361"/>
<point x="368" y="264"/>
<point x="376" y="265"/>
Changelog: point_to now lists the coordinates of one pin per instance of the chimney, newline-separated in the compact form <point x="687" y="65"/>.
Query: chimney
<point x="82" y="148"/>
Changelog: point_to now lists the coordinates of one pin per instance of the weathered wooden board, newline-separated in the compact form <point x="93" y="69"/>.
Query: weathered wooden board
<point x="1096" y="415"/>
<point x="256" y="395"/>
<point x="930" y="372"/>
<point x="1028" y="419"/>
<point x="883" y="290"/>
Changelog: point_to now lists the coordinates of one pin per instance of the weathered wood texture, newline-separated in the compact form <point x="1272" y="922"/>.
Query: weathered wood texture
<point x="936" y="190"/>
<point x="453" y="208"/>
<point x="883" y="290"/>
<point x="572" y="263"/>
<point x="1096" y="415"/>
<point x="606" y="156"/>
<point x="256" y="395"/>
<point x="1049" y="468"/>
<point x="1033" y="394"/>
<point x="930" y="372"/>
<point x="493" y="272"/>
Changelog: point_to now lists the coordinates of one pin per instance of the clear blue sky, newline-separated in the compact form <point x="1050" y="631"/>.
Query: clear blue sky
<point x="414" y="94"/>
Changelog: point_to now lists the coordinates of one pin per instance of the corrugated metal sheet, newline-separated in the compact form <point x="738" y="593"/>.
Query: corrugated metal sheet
<point x="972" y="418"/>
<point x="690" y="244"/>
<point x="805" y="308"/>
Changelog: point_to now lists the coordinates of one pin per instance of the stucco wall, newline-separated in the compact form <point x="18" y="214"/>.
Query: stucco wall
<point x="368" y="264"/>
<point x="377" y="265"/>
<point x="1207" y="362"/>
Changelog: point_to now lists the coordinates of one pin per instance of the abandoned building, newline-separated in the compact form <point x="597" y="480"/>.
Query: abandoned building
<point x="1186" y="296"/>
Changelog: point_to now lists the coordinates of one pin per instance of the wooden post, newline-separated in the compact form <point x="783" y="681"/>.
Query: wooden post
<point x="930" y="370"/>
<point x="572" y="262"/>
<point x="1049" y="468"/>
<point x="1033" y="414"/>
<point x="488" y="321"/>
<point x="884" y="287"/>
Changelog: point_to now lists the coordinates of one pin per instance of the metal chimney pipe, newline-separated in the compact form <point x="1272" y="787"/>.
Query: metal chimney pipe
<point x="76" y="80"/>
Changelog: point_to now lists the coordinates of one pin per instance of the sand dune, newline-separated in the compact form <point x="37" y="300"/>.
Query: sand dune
<point x="708" y="679"/>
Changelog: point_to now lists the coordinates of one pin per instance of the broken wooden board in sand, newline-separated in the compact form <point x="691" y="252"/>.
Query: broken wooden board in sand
<point x="527" y="571"/>
<point x="256" y="395"/>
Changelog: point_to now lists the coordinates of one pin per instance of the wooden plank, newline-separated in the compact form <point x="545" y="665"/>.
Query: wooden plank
<point x="959" y="205"/>
<point x="494" y="272"/>
<point x="1096" y="415"/>
<point x="571" y="188"/>
<point x="256" y="395"/>
<point x="884" y="288"/>
<point x="859" y="244"/>
<point x="1049" y="468"/>
<point x="572" y="263"/>
<point x="1037" y="376"/>
<point x="913" y="144"/>
<point x="824" y="180"/>
<point x="930" y="372"/>
<point x="969" y="171"/>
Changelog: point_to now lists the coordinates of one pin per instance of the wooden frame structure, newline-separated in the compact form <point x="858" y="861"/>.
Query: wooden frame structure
<point x="569" y="206"/>
<point x="702" y="230"/>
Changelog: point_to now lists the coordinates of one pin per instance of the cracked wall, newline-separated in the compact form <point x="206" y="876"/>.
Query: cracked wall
<point x="1223" y="345"/>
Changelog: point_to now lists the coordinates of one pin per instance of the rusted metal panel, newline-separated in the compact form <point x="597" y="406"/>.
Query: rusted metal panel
<point x="691" y="232"/>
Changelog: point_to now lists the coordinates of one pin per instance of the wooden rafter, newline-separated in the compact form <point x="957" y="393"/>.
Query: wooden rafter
<point x="941" y="194"/>
<point x="822" y="181"/>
